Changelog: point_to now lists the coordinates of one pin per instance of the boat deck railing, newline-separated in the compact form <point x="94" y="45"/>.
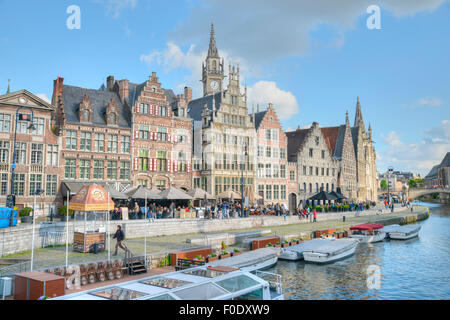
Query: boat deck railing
<point x="274" y="280"/>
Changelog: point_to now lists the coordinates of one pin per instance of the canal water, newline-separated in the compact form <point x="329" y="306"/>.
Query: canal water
<point x="413" y="269"/>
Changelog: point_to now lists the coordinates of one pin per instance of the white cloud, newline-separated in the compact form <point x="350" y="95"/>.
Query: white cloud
<point x="430" y="102"/>
<point x="264" y="92"/>
<point x="264" y="30"/>
<point x="417" y="157"/>
<point x="115" y="7"/>
<point x="44" y="97"/>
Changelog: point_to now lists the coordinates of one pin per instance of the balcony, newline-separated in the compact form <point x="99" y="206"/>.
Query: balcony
<point x="4" y="167"/>
<point x="36" y="168"/>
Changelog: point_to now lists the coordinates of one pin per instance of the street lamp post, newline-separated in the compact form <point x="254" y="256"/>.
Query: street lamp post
<point x="37" y="192"/>
<point x="23" y="117"/>
<point x="390" y="169"/>
<point x="242" y="183"/>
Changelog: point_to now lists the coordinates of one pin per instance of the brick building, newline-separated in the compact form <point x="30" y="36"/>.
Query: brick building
<point x="37" y="152"/>
<point x="272" y="175"/>
<point x="95" y="130"/>
<point x="124" y="134"/>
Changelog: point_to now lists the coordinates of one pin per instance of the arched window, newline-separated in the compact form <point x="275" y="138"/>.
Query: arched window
<point x="310" y="188"/>
<point x="214" y="65"/>
<point x="321" y="187"/>
<point x="304" y="186"/>
<point x="327" y="187"/>
<point x="332" y="187"/>
<point x="317" y="187"/>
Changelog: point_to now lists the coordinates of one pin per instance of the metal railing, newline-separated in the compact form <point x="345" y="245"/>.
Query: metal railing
<point x="53" y="238"/>
<point x="274" y="280"/>
<point x="15" y="268"/>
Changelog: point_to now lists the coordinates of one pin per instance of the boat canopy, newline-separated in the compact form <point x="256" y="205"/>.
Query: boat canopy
<point x="367" y="226"/>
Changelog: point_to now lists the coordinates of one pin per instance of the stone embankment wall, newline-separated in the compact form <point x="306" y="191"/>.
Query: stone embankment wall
<point x="18" y="239"/>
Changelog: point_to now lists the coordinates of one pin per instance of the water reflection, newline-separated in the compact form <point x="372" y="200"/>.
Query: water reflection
<point x="417" y="268"/>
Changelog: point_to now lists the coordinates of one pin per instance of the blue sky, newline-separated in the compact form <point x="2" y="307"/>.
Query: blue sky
<point x="310" y="58"/>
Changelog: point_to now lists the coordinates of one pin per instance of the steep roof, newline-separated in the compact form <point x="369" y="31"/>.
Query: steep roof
<point x="355" y="137"/>
<point x="72" y="97"/>
<point x="295" y="141"/>
<point x="446" y="161"/>
<point x="195" y="107"/>
<point x="433" y="173"/>
<point x="330" y="134"/>
<point x="259" y="116"/>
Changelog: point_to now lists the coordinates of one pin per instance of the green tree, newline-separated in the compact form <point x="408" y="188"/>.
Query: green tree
<point x="383" y="184"/>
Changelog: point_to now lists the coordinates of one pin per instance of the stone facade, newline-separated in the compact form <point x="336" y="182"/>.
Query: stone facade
<point x="317" y="169"/>
<point x="365" y="158"/>
<point x="37" y="154"/>
<point x="224" y="135"/>
<point x="272" y="174"/>
<point x="340" y="142"/>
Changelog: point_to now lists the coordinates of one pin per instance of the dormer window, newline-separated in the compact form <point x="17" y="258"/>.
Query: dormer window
<point x="112" y="114"/>
<point x="85" y="111"/>
<point x="181" y="112"/>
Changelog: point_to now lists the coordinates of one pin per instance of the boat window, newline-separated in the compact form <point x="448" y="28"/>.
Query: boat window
<point x="163" y="297"/>
<point x="117" y="293"/>
<point x="166" y="283"/>
<point x="237" y="283"/>
<point x="204" y="291"/>
<point x="253" y="295"/>
<point x="205" y="273"/>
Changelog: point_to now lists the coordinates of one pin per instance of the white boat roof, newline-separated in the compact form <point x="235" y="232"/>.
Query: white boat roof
<point x="405" y="228"/>
<point x="191" y="284"/>
<point x="306" y="246"/>
<point x="330" y="246"/>
<point x="249" y="258"/>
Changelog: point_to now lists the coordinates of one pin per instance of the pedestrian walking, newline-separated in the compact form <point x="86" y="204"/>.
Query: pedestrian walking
<point x="315" y="215"/>
<point x="119" y="235"/>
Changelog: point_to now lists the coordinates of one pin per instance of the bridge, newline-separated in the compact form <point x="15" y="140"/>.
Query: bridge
<point x="414" y="193"/>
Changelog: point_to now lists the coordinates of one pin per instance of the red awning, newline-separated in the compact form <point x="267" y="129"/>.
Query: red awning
<point x="367" y="226"/>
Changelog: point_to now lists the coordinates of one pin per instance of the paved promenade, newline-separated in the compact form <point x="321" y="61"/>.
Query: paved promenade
<point x="158" y="246"/>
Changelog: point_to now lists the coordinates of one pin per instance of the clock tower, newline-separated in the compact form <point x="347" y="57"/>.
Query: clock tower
<point x="213" y="72"/>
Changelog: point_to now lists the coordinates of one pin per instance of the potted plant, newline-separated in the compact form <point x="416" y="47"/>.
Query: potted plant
<point x="269" y="245"/>
<point x="278" y="245"/>
<point x="199" y="258"/>
<point x="211" y="257"/>
<point x="63" y="213"/>
<point x="224" y="255"/>
<point x="25" y="215"/>
<point x="235" y="252"/>
<point x="285" y="244"/>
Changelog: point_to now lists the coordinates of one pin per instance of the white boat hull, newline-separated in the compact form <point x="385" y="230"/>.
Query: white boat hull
<point x="402" y="235"/>
<point x="290" y="255"/>
<point x="318" y="257"/>
<point x="369" y="239"/>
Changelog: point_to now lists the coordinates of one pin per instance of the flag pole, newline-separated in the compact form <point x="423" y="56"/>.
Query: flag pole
<point x="67" y="230"/>
<point x="145" y="231"/>
<point x="106" y="233"/>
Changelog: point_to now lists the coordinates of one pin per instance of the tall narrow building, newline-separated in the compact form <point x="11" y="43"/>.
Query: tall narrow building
<point x="365" y="158"/>
<point x="224" y="135"/>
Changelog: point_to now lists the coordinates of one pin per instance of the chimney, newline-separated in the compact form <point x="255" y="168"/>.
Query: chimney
<point x="188" y="94"/>
<point x="123" y="90"/>
<point x="57" y="90"/>
<point x="154" y="78"/>
<point x="110" y="83"/>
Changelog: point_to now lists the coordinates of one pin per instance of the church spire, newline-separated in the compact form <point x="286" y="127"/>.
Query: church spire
<point x="347" y="121"/>
<point x="359" y="121"/>
<point x="212" y="51"/>
<point x="9" y="86"/>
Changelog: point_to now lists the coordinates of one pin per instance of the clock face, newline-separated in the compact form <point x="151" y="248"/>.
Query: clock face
<point x="214" y="85"/>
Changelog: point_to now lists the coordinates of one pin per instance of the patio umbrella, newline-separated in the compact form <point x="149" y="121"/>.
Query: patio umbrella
<point x="339" y="196"/>
<point x="173" y="193"/>
<point x="115" y="194"/>
<point x="229" y="194"/>
<point x="142" y="192"/>
<point x="199" y="194"/>
<point x="322" y="195"/>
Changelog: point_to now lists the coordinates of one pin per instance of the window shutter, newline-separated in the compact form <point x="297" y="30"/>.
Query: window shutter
<point x="175" y="166"/>
<point x="136" y="134"/>
<point x="155" y="162"/>
<point x="157" y="111"/>
<point x="188" y="167"/>
<point x="176" y="138"/>
<point x="150" y="164"/>
<point x="136" y="164"/>
<point x="169" y="137"/>
<point x="151" y="109"/>
<point x="169" y="167"/>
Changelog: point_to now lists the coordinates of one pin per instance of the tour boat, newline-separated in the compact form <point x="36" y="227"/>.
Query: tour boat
<point x="368" y="232"/>
<point x="260" y="259"/>
<point x="331" y="250"/>
<point x="295" y="252"/>
<point x="404" y="232"/>
<point x="201" y="283"/>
